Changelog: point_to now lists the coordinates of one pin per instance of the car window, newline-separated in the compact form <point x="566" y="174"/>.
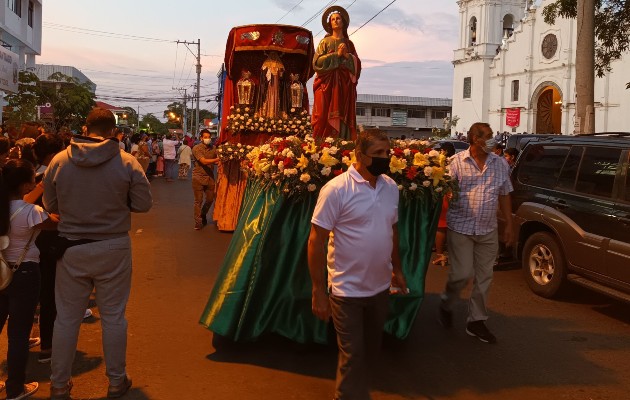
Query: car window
<point x="598" y="170"/>
<point x="541" y="164"/>
<point x="570" y="168"/>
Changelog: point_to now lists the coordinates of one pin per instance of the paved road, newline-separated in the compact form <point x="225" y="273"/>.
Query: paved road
<point x="575" y="348"/>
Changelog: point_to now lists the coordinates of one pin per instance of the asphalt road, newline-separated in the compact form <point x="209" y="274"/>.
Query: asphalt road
<point x="574" y="348"/>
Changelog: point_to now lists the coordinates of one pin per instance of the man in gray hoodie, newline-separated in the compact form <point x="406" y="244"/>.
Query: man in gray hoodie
<point x="94" y="186"/>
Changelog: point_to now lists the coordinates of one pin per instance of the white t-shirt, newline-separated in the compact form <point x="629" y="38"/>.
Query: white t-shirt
<point x="21" y="230"/>
<point x="184" y="154"/>
<point x="361" y="220"/>
<point x="168" y="146"/>
<point x="134" y="149"/>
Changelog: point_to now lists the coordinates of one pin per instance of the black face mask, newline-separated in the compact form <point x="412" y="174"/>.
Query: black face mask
<point x="380" y="165"/>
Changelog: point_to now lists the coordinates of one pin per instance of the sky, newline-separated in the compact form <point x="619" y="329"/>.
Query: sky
<point x="129" y="49"/>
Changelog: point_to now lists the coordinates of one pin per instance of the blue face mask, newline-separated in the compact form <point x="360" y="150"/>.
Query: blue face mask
<point x="490" y="143"/>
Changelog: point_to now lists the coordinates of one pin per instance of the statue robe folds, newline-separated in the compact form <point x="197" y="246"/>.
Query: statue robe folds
<point x="335" y="90"/>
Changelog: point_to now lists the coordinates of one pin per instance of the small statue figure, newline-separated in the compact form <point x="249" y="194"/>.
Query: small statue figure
<point x="271" y="74"/>
<point x="245" y="88"/>
<point x="297" y="91"/>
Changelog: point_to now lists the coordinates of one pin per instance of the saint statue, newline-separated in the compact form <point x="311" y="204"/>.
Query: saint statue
<point x="335" y="87"/>
<point x="272" y="72"/>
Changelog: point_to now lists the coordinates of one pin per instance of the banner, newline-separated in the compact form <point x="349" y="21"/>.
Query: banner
<point x="513" y="117"/>
<point x="8" y="71"/>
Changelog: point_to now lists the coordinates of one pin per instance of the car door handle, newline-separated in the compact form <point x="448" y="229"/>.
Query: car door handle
<point x="560" y="204"/>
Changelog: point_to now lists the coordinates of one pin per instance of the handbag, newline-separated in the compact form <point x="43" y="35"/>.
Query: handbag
<point x="6" y="270"/>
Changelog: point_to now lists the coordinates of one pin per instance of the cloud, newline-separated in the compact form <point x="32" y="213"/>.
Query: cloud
<point x="421" y="79"/>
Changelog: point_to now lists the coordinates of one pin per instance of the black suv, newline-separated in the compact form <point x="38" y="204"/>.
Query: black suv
<point x="571" y="205"/>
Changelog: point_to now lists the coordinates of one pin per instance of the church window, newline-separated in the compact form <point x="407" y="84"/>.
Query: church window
<point x="467" y="87"/>
<point x="473" y="31"/>
<point x="549" y="46"/>
<point x="515" y="89"/>
<point x="508" y="25"/>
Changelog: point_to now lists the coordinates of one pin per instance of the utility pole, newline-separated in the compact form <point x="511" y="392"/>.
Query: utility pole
<point x="198" y="85"/>
<point x="585" y="67"/>
<point x="184" y="106"/>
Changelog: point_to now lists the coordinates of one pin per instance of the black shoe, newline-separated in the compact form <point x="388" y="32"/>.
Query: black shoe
<point x="204" y="220"/>
<point x="445" y="318"/>
<point x="478" y="329"/>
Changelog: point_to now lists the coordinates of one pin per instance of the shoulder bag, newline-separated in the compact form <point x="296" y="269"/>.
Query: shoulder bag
<point x="6" y="270"/>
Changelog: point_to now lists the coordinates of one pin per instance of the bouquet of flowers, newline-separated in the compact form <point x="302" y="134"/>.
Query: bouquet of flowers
<point x="300" y="166"/>
<point x="231" y="151"/>
<point x="243" y="119"/>
<point x="418" y="169"/>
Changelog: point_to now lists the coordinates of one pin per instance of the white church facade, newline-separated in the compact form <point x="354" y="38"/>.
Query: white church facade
<point x="509" y="61"/>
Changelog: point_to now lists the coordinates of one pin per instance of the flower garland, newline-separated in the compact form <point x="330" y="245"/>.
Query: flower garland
<point x="230" y="151"/>
<point x="243" y="119"/>
<point x="301" y="166"/>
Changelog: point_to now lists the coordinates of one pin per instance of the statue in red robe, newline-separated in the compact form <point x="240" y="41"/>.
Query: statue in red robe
<point x="335" y="88"/>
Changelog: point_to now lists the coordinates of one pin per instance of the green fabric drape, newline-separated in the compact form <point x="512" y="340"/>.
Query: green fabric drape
<point x="264" y="284"/>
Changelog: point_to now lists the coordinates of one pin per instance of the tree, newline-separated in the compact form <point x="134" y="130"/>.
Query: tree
<point x="22" y="106"/>
<point x="612" y="28"/>
<point x="71" y="100"/>
<point x="132" y="116"/>
<point x="153" y="124"/>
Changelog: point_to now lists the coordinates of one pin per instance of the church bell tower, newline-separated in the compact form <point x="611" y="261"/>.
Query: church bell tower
<point x="483" y="25"/>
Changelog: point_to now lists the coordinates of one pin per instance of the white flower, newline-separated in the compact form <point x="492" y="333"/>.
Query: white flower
<point x="413" y="186"/>
<point x="293" y="110"/>
<point x="290" y="171"/>
<point x="312" y="187"/>
<point x="426" y="183"/>
<point x="230" y="149"/>
<point x="261" y="119"/>
<point x="434" y="153"/>
<point x="290" y="154"/>
<point x="345" y="160"/>
<point x="438" y="189"/>
<point x="344" y="142"/>
<point x="315" y="157"/>
<point x="246" y="109"/>
<point x="284" y="152"/>
<point x="406" y="152"/>
<point x="329" y="140"/>
<point x="242" y="151"/>
<point x="424" y="143"/>
<point x="400" y="187"/>
<point x="428" y="171"/>
<point x="333" y="150"/>
<point x="326" y="171"/>
<point x="281" y="166"/>
<point x="305" y="178"/>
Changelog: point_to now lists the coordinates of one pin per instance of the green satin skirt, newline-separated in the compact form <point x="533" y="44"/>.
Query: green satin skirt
<point x="264" y="284"/>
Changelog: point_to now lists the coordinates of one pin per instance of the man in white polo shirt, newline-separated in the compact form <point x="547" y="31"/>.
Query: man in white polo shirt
<point x="357" y="213"/>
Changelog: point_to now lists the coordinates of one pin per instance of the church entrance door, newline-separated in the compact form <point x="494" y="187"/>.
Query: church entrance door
<point x="549" y="111"/>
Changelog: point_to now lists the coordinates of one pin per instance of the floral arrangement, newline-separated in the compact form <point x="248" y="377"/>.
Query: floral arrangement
<point x="300" y="166"/>
<point x="243" y="119"/>
<point x="230" y="151"/>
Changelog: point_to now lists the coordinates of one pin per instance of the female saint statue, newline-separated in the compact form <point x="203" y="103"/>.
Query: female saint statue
<point x="335" y="87"/>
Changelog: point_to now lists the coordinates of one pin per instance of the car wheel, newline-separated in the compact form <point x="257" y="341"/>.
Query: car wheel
<point x="544" y="264"/>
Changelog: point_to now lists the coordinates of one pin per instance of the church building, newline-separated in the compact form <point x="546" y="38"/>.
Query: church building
<point x="517" y="72"/>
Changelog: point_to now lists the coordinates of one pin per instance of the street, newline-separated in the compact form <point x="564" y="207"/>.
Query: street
<point x="577" y="347"/>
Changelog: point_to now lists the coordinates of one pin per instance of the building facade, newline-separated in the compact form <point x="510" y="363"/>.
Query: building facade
<point x="508" y="58"/>
<point x="402" y="115"/>
<point x="44" y="71"/>
<point x="21" y="29"/>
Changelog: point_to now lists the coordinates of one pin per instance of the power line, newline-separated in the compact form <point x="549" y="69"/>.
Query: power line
<point x="101" y="33"/>
<point x="375" y="15"/>
<point x="319" y="12"/>
<point x="289" y="12"/>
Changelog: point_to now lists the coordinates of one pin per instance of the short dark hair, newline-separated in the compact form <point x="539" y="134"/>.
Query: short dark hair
<point x="448" y="147"/>
<point x="14" y="173"/>
<point x="368" y="137"/>
<point x="5" y="145"/>
<point x="477" y="130"/>
<point x="205" y="131"/>
<point x="512" y="152"/>
<point x="100" y="121"/>
<point x="47" y="144"/>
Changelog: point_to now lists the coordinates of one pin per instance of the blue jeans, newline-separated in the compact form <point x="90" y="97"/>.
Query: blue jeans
<point x="18" y="301"/>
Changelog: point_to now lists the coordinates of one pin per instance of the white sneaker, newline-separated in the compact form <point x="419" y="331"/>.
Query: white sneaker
<point x="29" y="390"/>
<point x="88" y="314"/>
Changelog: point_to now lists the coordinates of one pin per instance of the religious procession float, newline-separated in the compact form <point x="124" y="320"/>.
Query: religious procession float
<point x="275" y="157"/>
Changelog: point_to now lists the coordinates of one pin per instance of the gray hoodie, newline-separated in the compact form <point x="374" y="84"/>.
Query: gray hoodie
<point x="94" y="186"/>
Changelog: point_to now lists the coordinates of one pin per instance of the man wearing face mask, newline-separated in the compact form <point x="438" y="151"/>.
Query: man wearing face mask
<point x="205" y="157"/>
<point x="484" y="182"/>
<point x="357" y="213"/>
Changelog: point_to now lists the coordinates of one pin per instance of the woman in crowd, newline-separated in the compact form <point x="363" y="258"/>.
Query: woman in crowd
<point x="140" y="150"/>
<point x="21" y="221"/>
<point x="184" y="154"/>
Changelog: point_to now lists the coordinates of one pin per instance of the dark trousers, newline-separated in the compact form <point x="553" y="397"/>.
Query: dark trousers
<point x="202" y="188"/>
<point x="18" y="302"/>
<point x="359" y="324"/>
<point x="47" y="308"/>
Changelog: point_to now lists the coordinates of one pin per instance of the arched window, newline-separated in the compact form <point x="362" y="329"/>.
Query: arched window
<point x="473" y="31"/>
<point x="508" y="25"/>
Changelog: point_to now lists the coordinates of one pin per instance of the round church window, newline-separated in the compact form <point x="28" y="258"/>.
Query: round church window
<point x="549" y="46"/>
